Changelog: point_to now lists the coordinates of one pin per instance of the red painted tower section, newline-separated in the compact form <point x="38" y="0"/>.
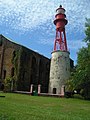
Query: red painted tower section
<point x="60" y="22"/>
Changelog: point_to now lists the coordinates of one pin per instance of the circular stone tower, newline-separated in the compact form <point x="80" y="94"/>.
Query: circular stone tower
<point x="60" y="61"/>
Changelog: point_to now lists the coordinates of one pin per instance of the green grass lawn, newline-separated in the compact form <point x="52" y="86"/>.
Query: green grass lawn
<point x="25" y="107"/>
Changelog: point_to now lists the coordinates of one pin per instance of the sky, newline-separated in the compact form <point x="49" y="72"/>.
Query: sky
<point x="30" y="23"/>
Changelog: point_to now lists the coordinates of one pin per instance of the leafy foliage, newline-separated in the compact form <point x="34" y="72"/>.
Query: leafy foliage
<point x="9" y="84"/>
<point x="15" y="58"/>
<point x="80" y="77"/>
<point x="87" y="31"/>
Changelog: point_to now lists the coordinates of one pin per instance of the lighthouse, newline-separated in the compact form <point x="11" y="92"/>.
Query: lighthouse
<point x="60" y="61"/>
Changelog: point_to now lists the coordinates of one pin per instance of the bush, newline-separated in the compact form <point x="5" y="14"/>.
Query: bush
<point x="78" y="96"/>
<point x="69" y="94"/>
<point x="7" y="84"/>
<point x="85" y="93"/>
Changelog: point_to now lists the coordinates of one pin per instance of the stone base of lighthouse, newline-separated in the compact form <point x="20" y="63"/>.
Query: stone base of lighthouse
<point x="59" y="71"/>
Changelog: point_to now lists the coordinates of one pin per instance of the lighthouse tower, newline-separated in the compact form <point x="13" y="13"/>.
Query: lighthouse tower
<point x="60" y="61"/>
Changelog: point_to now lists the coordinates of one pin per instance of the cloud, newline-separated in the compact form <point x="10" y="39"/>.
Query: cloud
<point x="76" y="44"/>
<point x="46" y="42"/>
<point x="33" y="14"/>
<point x="25" y="15"/>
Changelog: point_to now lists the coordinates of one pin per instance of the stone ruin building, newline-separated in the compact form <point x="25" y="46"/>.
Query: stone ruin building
<point x="25" y="66"/>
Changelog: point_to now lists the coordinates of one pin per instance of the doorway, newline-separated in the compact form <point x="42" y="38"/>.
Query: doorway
<point x="54" y="90"/>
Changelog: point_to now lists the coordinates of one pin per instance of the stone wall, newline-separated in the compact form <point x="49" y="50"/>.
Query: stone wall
<point x="34" y="69"/>
<point x="6" y="52"/>
<point x="28" y="67"/>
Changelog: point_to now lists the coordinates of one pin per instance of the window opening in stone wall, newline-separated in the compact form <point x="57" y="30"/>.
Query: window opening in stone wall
<point x="40" y="72"/>
<point x="24" y="75"/>
<point x="4" y="74"/>
<point x="34" y="71"/>
<point x="0" y="42"/>
<point x="47" y="67"/>
<point x="14" y="55"/>
<point x="31" y="79"/>
<point x="12" y="72"/>
<point x="47" y="76"/>
<point x="54" y="90"/>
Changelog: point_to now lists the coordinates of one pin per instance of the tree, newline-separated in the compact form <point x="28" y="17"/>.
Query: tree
<point x="80" y="79"/>
<point x="83" y="71"/>
<point x="87" y="31"/>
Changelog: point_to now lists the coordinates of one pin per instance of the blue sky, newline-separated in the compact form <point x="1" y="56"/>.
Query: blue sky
<point x="30" y="23"/>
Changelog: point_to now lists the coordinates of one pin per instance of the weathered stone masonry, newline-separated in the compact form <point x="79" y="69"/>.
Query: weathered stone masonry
<point x="27" y="66"/>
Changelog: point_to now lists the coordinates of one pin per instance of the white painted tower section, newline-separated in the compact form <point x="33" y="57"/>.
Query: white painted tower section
<point x="59" y="71"/>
